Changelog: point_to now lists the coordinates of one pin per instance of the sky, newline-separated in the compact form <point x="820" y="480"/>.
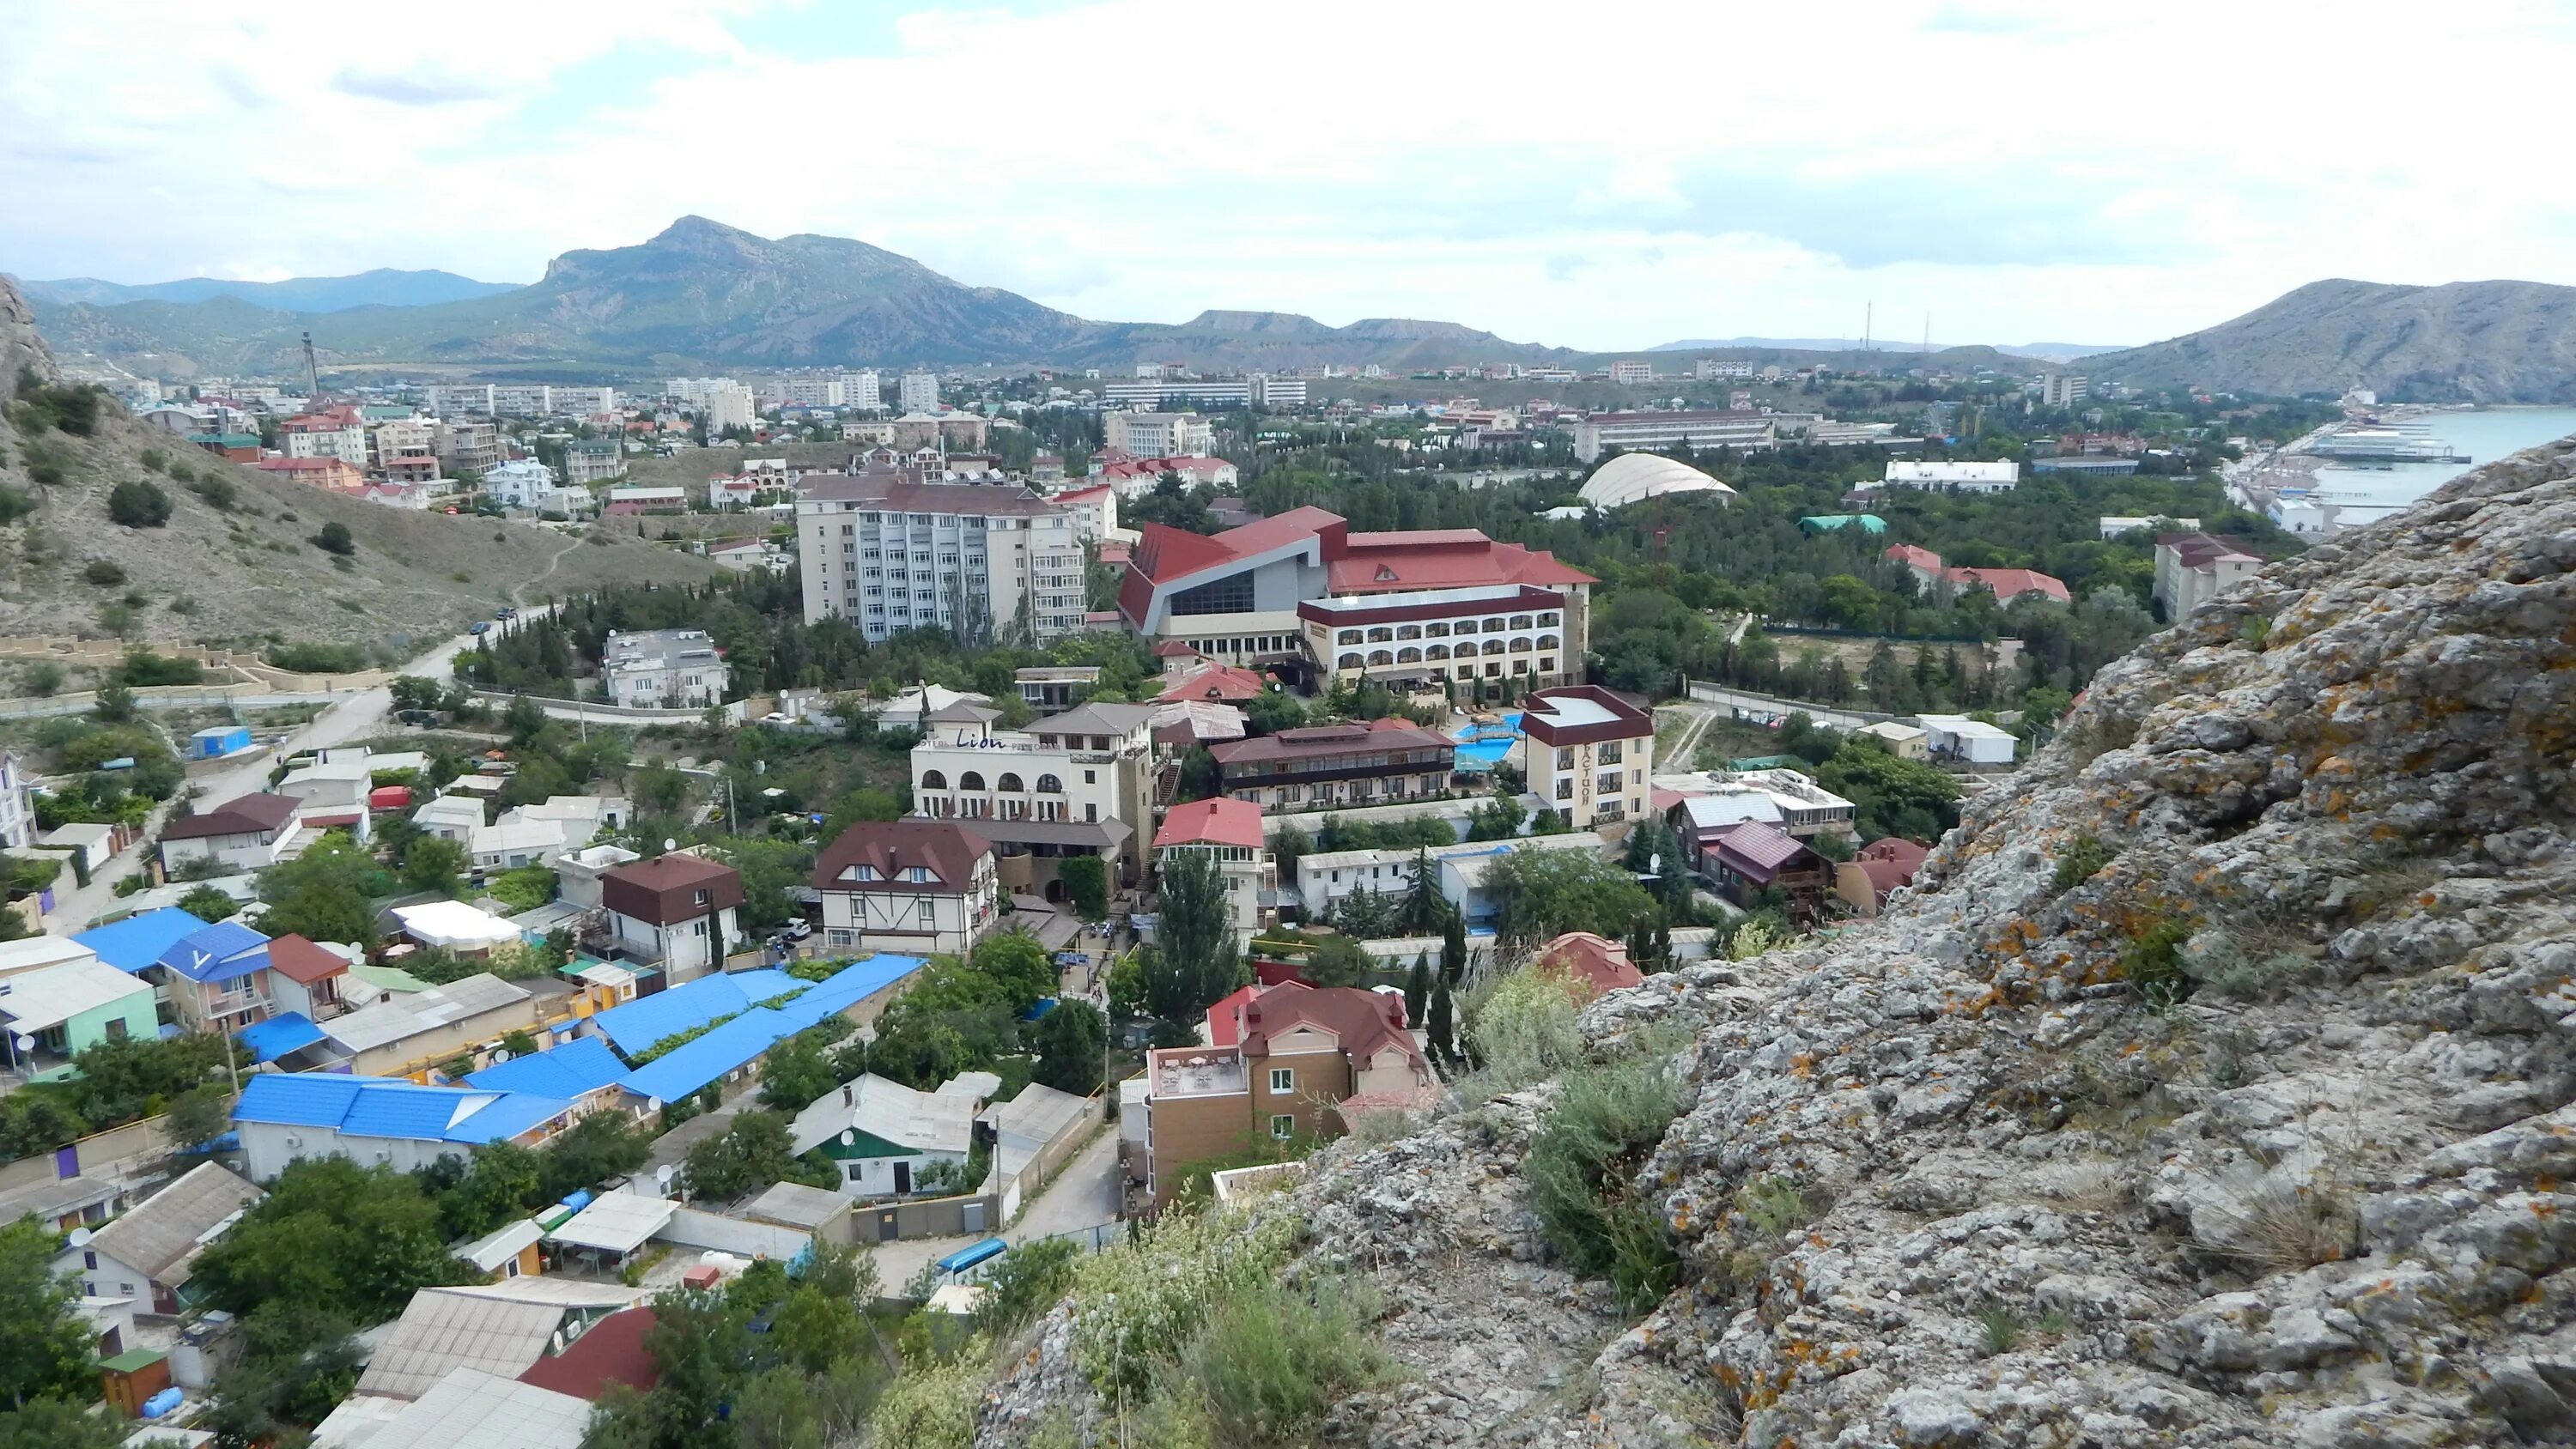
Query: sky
<point x="1601" y="178"/>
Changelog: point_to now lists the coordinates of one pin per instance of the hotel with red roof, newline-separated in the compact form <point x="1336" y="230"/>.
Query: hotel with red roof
<point x="1229" y="830"/>
<point x="1242" y="596"/>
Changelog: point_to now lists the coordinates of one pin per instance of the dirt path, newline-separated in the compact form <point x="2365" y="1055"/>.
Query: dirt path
<point x="517" y="595"/>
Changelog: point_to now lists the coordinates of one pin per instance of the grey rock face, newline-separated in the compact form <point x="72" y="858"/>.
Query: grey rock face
<point x="20" y="346"/>
<point x="2324" y="1200"/>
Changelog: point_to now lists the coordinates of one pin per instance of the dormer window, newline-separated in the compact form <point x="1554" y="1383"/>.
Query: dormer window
<point x="918" y="875"/>
<point x="1385" y="574"/>
<point x="863" y="872"/>
<point x="700" y="899"/>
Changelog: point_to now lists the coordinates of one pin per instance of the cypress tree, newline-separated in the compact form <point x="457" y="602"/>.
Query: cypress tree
<point x="1442" y="1047"/>
<point x="1453" y="948"/>
<point x="1417" y="989"/>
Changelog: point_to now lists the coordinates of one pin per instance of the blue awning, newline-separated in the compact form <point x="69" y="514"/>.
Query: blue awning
<point x="268" y="1040"/>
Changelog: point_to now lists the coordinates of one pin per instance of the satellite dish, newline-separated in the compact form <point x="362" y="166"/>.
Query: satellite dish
<point x="652" y="1104"/>
<point x="500" y="1055"/>
<point x="849" y="1137"/>
<point x="26" y="1043"/>
<point x="669" y="844"/>
<point x="662" y="1174"/>
<point x="1654" y="865"/>
<point x="79" y="1238"/>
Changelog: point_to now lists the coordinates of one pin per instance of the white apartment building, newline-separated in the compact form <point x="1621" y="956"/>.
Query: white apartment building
<point x="1230" y="831"/>
<point x="1590" y="753"/>
<point x="1957" y="477"/>
<point x="1158" y="435"/>
<point x="663" y="669"/>
<point x="582" y="402"/>
<point x="1325" y="879"/>
<point x="918" y="393"/>
<point x="1710" y="367"/>
<point x="1745" y="432"/>
<point x="982" y="560"/>
<point x="595" y="462"/>
<point x="522" y="399"/>
<point x="2061" y="389"/>
<point x="692" y="391"/>
<point x="862" y="390"/>
<point x="727" y="405"/>
<point x="520" y="483"/>
<point x="1075" y="783"/>
<point x="1632" y="373"/>
<point x="447" y="399"/>
<point x="2194" y="568"/>
<point x="348" y="444"/>
<point x="810" y="392"/>
<point x="466" y="446"/>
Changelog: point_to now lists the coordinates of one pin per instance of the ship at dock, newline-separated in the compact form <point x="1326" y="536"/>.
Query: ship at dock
<point x="2384" y="443"/>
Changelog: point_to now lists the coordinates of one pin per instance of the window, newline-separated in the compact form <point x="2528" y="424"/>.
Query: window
<point x="1347" y="636"/>
<point x="1283" y="1079"/>
<point x="1283" y="1127"/>
<point x="1348" y="661"/>
<point x="1050" y="785"/>
<point x="1381" y="635"/>
<point x="918" y="875"/>
<point x="1564" y="758"/>
<point x="971" y="780"/>
<point x="1229" y="595"/>
<point x="1010" y="783"/>
<point x="1608" y="754"/>
<point x="929" y="913"/>
<point x="933" y="780"/>
<point x="1565" y="788"/>
<point x="89" y="1260"/>
<point x="1408" y="631"/>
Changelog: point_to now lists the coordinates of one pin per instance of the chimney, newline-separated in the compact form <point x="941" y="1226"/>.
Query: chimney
<point x="849" y="1094"/>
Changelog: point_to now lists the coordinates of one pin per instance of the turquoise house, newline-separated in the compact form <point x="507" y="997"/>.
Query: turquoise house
<point x="52" y="1014"/>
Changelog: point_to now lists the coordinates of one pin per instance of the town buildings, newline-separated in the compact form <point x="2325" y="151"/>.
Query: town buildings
<point x="1322" y="766"/>
<point x="2194" y="568"/>
<point x="528" y="485"/>
<point x="1134" y="477"/>
<point x="1753" y="858"/>
<point x="862" y="391"/>
<point x="1705" y="805"/>
<point x="1070" y="784"/>
<point x="726" y="407"/>
<point x="1291" y="1062"/>
<point x="594" y="462"/>
<point x="1744" y="431"/>
<point x="1590" y="752"/>
<point x="918" y="392"/>
<point x="663" y="669"/>
<point x="467" y="446"/>
<point x="1235" y="596"/>
<point x="1957" y="477"/>
<point x="1632" y="374"/>
<point x="1971" y="741"/>
<point x="149" y="1253"/>
<point x="887" y="554"/>
<point x="329" y="433"/>
<point x="250" y="833"/>
<point x="64" y="1009"/>
<point x="1230" y="831"/>
<point x="1877" y="871"/>
<point x="1518" y="631"/>
<point x="1327" y="878"/>
<point x="2005" y="584"/>
<point x="918" y="885"/>
<point x="2060" y="389"/>
<point x="1157" y="435"/>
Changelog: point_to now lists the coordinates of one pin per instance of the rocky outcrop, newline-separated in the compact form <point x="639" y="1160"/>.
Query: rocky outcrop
<point x="20" y="346"/>
<point x="2259" y="1134"/>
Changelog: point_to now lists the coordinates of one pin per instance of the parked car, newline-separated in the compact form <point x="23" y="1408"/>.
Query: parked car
<point x="479" y="626"/>
<point x="798" y="930"/>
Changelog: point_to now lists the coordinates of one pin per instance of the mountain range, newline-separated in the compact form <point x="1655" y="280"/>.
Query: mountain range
<point x="2488" y="342"/>
<point x="702" y="294"/>
<point x="382" y="287"/>
<point x="2041" y="351"/>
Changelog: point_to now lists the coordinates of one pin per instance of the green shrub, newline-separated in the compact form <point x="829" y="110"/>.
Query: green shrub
<point x="45" y="469"/>
<point x="72" y="407"/>
<point x="1997" y="1329"/>
<point x="104" y="571"/>
<point x="310" y="658"/>
<point x="1520" y="1030"/>
<point x="334" y="537"/>
<point x="15" y="503"/>
<point x="1605" y="1120"/>
<point x="1138" y="1305"/>
<point x="1273" y="1359"/>
<point x="156" y="460"/>
<point x="182" y="473"/>
<point x="142" y="667"/>
<point x="135" y="503"/>
<point x="1023" y="1283"/>
<point x="931" y="1406"/>
<point x="2152" y="963"/>
<point x="2083" y="858"/>
<point x="218" y="493"/>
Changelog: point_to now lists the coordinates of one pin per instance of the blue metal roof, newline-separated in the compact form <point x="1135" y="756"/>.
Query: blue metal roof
<point x="306" y="1100"/>
<point x="400" y="1109"/>
<point x="634" y="1027"/>
<point x="847" y="987"/>
<point x="218" y="952"/>
<point x="512" y="1114"/>
<point x="697" y="1063"/>
<point x="268" y="1040"/>
<point x="582" y="1065"/>
<point x="131" y="944"/>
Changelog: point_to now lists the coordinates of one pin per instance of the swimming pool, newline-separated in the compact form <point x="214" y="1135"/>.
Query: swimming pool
<point x="1480" y="745"/>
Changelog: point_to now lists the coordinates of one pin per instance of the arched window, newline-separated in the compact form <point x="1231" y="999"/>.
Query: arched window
<point x="1347" y="661"/>
<point x="1348" y="636"/>
<point x="1380" y="656"/>
<point x="1435" y="631"/>
<point x="933" y="780"/>
<point x="1520" y="621"/>
<point x="1547" y="621"/>
<point x="1408" y="631"/>
<point x="1381" y="635"/>
<point x="971" y="780"/>
<point x="1547" y="641"/>
<point x="1050" y="785"/>
<point x="1492" y="646"/>
<point x="1408" y="656"/>
<point x="1494" y="625"/>
<point x="1010" y="783"/>
<point x="1436" y="651"/>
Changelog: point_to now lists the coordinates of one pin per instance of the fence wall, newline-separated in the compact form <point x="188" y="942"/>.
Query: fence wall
<point x="117" y="1152"/>
<point x="975" y="1214"/>
<point x="598" y="712"/>
<point x="1744" y="701"/>
<point x="692" y="1228"/>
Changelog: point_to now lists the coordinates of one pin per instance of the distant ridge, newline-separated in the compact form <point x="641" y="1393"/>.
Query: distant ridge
<point x="2488" y="342"/>
<point x="705" y="295"/>
<point x="382" y="287"/>
<point x="2042" y="351"/>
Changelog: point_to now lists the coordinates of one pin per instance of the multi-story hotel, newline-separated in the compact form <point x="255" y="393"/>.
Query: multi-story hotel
<point x="1590" y="753"/>
<point x="983" y="560"/>
<point x="1320" y="766"/>
<point x="1074" y="783"/>
<point x="1519" y="631"/>
<point x="1157" y="435"/>
<point x="1236" y="596"/>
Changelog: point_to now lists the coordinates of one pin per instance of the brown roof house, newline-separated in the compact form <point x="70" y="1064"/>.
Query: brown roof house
<point x="305" y="976"/>
<point x="253" y="832"/>
<point x="1754" y="857"/>
<point x="914" y="886"/>
<point x="1304" y="1062"/>
<point x="676" y="911"/>
<point x="1340" y="764"/>
<point x="152" y="1250"/>
<point x="1593" y="964"/>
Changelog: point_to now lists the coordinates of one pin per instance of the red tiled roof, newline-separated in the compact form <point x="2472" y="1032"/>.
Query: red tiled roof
<point x="1325" y="740"/>
<point x="947" y="850"/>
<point x="1914" y="557"/>
<point x="1594" y="963"/>
<point x="1454" y="558"/>
<point x="1218" y="681"/>
<point x="1225" y="1018"/>
<point x="298" y="959"/>
<point x="1898" y="849"/>
<point x="1763" y="848"/>
<point x="1212" y="822"/>
<point x="612" y="1352"/>
<point x="1363" y="1022"/>
<point x="2010" y="584"/>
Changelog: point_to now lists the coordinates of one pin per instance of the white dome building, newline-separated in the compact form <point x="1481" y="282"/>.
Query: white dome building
<point x="1634" y="477"/>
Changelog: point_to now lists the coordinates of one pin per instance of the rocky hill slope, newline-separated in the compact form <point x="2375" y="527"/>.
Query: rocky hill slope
<point x="2215" y="1086"/>
<point x="234" y="563"/>
<point x="2488" y="342"/>
<point x="379" y="287"/>
<point x="702" y="294"/>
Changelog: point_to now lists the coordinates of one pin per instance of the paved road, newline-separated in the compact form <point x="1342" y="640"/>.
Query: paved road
<point x="1083" y="1195"/>
<point x="349" y="717"/>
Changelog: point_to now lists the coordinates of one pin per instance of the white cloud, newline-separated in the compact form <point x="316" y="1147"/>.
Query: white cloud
<point x="1599" y="179"/>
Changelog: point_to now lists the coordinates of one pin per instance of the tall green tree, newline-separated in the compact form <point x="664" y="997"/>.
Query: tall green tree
<point x="1198" y="958"/>
<point x="1417" y="989"/>
<point x="1453" y="945"/>
<point x="1071" y="1042"/>
<point x="1540" y="894"/>
<point x="44" y="1346"/>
